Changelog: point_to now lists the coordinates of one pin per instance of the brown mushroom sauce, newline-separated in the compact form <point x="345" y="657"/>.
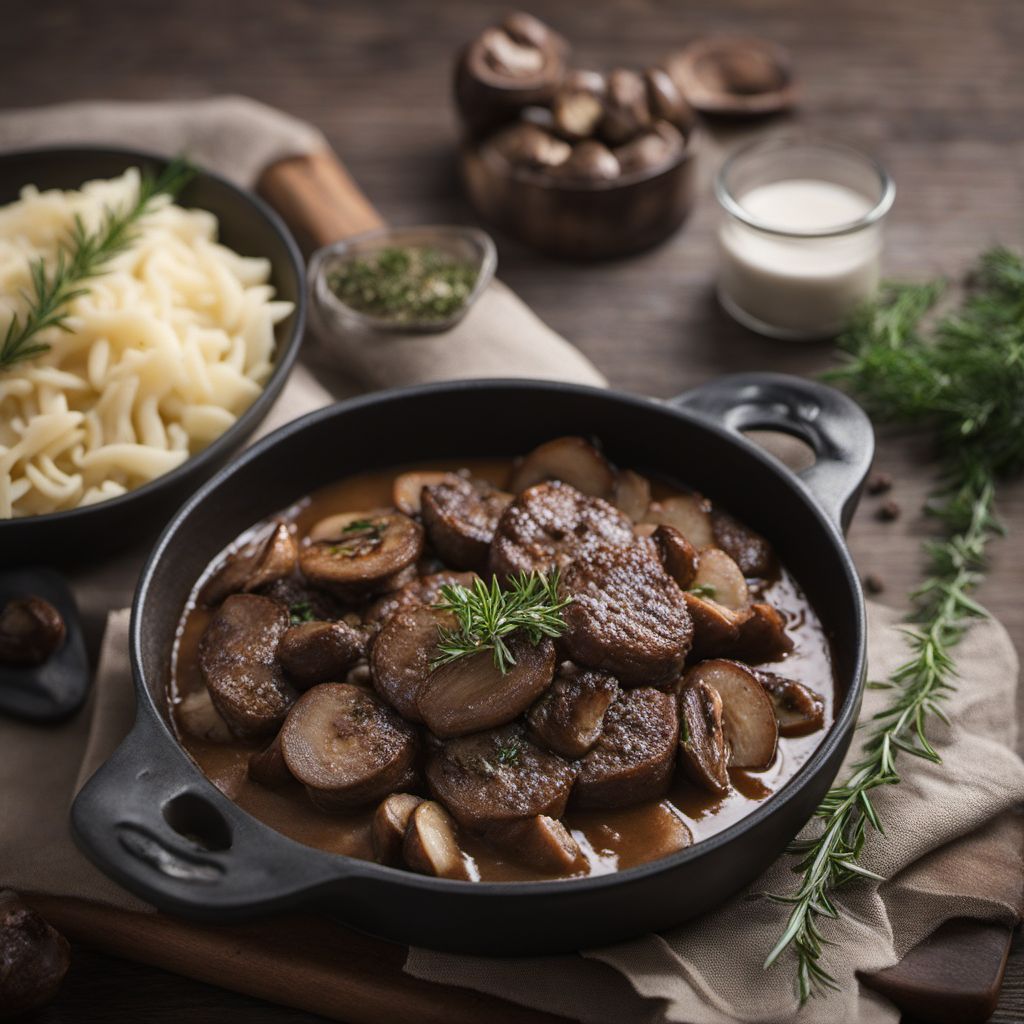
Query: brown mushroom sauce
<point x="570" y="837"/>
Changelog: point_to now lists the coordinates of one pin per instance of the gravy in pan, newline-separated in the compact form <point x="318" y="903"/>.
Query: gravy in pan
<point x="609" y="839"/>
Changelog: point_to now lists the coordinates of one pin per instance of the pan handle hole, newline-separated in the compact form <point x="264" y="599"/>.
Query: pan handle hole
<point x="197" y="820"/>
<point x="790" y="449"/>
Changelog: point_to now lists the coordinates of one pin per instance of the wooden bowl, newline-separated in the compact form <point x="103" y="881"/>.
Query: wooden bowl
<point x="580" y="219"/>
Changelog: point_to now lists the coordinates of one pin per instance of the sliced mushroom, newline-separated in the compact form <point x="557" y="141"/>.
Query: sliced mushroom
<point x="703" y="751"/>
<point x="460" y="516"/>
<point x="268" y="766"/>
<point x="798" y="709"/>
<point x="358" y="554"/>
<point x="238" y="659"/>
<point x="635" y="754"/>
<point x="626" y="109"/>
<point x="401" y="655"/>
<point x="471" y="694"/>
<point x="498" y="776"/>
<point x="690" y="514"/>
<point x="627" y="615"/>
<point x="422" y="590"/>
<point x="677" y="554"/>
<point x="390" y="822"/>
<point x="407" y="489"/>
<point x="430" y="846"/>
<point x="34" y="957"/>
<point x="551" y="524"/>
<point x="540" y="842"/>
<point x="253" y="568"/>
<point x="573" y="461"/>
<point x="319" y="652"/>
<point x="632" y="494"/>
<point x="31" y="630"/>
<point x="762" y="636"/>
<point x="198" y="718"/>
<point x="305" y="603"/>
<point x="719" y="578"/>
<point x="748" y="718"/>
<point x="747" y="548"/>
<point x="345" y="746"/>
<point x="568" y="719"/>
<point x="716" y="629"/>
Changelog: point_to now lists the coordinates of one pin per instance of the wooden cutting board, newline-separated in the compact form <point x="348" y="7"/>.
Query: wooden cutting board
<point x="313" y="964"/>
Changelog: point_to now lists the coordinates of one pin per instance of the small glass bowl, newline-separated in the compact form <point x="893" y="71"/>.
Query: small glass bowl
<point x="332" y="314"/>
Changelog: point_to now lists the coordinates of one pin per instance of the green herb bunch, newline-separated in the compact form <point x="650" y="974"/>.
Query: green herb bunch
<point x="488" y="615"/>
<point x="964" y="381"/>
<point x="82" y="256"/>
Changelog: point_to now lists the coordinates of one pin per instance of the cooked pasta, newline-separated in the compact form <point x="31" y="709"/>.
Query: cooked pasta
<point x="165" y="350"/>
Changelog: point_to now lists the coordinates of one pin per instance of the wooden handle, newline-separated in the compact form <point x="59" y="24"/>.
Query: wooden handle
<point x="318" y="199"/>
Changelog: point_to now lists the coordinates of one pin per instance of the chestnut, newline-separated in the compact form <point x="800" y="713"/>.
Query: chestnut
<point x="33" y="957"/>
<point x="578" y="105"/>
<point x="527" y="145"/>
<point x="666" y="102"/>
<point x="31" y="630"/>
<point x="656" y="147"/>
<point x="591" y="161"/>
<point x="626" y="109"/>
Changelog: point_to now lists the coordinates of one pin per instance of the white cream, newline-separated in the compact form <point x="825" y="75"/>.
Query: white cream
<point x="801" y="287"/>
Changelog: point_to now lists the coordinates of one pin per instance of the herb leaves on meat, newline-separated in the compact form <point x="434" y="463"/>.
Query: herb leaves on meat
<point x="964" y="380"/>
<point x="488" y="615"/>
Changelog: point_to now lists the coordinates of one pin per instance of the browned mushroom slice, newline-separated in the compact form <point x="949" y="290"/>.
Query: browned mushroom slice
<point x="471" y="694"/>
<point x="390" y="821"/>
<point x="407" y="490"/>
<point x="319" y="652"/>
<point x="253" y="568"/>
<point x="498" y="776"/>
<point x="31" y="629"/>
<point x="762" y="636"/>
<point x="551" y="524"/>
<point x="690" y="514"/>
<point x="569" y="717"/>
<point x="200" y="719"/>
<point x="748" y="549"/>
<point x="716" y="629"/>
<point x="305" y="603"/>
<point x="358" y="554"/>
<point x="539" y="842"/>
<point x="677" y="554"/>
<point x="268" y="766"/>
<point x="34" y="957"/>
<point x="635" y="754"/>
<point x="460" y="516"/>
<point x="422" y="590"/>
<point x="632" y="494"/>
<point x="401" y="655"/>
<point x="573" y="461"/>
<point x="345" y="746"/>
<point x="702" y="747"/>
<point x="798" y="709"/>
<point x="627" y="615"/>
<point x="430" y="846"/>
<point x="718" y="577"/>
<point x="238" y="659"/>
<point x="748" y="718"/>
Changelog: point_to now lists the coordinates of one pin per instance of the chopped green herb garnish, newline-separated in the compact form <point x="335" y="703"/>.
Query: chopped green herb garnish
<point x="704" y="590"/>
<point x="359" y="525"/>
<point x="301" y="611"/>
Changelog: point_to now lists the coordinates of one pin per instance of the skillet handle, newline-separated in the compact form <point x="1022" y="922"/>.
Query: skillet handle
<point x="150" y="821"/>
<point x="835" y="427"/>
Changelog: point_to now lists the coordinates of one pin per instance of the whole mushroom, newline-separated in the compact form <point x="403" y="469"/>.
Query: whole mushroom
<point x="626" y="109"/>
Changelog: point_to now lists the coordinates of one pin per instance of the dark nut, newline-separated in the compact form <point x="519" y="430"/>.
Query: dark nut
<point x="889" y="511"/>
<point x="656" y="147"/>
<point x="33" y="957"/>
<point x="530" y="146"/>
<point x="578" y="106"/>
<point x="879" y="483"/>
<point x="508" y="57"/>
<point x="31" y="630"/>
<point x="626" y="109"/>
<point x="666" y="101"/>
<point x="527" y="30"/>
<point x="591" y="161"/>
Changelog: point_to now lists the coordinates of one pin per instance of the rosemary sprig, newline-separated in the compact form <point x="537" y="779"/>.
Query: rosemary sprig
<point x="81" y="256"/>
<point x="487" y="615"/>
<point x="965" y="382"/>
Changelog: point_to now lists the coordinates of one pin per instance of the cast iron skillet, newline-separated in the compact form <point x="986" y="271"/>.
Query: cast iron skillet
<point x="248" y="226"/>
<point x="152" y="821"/>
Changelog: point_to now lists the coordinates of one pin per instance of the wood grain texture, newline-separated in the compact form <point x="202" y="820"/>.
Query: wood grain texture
<point x="935" y="87"/>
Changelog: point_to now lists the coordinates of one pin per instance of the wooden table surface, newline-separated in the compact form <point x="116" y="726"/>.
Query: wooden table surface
<point x="934" y="87"/>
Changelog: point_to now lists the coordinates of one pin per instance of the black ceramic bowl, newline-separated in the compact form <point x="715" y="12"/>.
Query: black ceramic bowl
<point x="249" y="227"/>
<point x="153" y="822"/>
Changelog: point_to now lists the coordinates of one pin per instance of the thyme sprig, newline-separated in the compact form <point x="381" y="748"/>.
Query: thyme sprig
<point x="965" y="381"/>
<point x="488" y="615"/>
<point x="81" y="256"/>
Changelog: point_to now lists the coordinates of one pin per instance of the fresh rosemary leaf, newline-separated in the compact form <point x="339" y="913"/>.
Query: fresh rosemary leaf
<point x="963" y="380"/>
<point x="80" y="257"/>
<point x="488" y="615"/>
